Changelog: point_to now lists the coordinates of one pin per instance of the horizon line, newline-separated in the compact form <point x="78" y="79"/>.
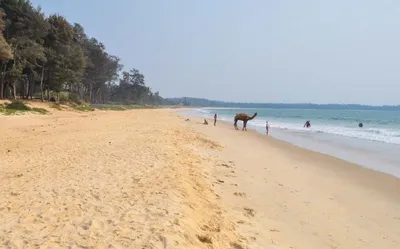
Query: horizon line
<point x="277" y="103"/>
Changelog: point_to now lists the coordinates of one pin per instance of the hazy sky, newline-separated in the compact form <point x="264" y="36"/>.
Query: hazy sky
<point x="256" y="50"/>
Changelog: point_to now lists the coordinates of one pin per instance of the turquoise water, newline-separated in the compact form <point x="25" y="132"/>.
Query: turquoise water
<point x="383" y="126"/>
<point x="332" y="132"/>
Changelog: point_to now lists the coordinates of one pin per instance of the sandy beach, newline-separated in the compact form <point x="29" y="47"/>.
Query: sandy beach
<point x="150" y="179"/>
<point x="284" y="196"/>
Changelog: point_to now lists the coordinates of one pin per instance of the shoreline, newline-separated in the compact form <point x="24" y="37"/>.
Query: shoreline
<point x="300" y="151"/>
<point x="375" y="155"/>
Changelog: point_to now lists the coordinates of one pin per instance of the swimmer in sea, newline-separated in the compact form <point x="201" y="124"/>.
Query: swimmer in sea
<point x="307" y="124"/>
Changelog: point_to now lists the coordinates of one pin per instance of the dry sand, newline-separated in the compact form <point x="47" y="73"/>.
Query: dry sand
<point x="107" y="180"/>
<point x="149" y="179"/>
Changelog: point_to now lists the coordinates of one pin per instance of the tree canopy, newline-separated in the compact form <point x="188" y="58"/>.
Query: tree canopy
<point x="48" y="57"/>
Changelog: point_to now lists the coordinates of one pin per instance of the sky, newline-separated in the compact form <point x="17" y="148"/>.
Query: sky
<point x="285" y="51"/>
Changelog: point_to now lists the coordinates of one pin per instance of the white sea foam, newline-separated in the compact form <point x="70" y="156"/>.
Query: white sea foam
<point x="203" y="111"/>
<point x="375" y="134"/>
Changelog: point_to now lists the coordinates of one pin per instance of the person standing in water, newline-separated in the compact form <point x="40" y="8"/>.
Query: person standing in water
<point x="267" y="127"/>
<point x="215" y="119"/>
<point x="307" y="124"/>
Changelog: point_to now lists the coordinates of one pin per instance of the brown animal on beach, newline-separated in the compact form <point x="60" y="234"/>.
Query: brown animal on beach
<point x="243" y="117"/>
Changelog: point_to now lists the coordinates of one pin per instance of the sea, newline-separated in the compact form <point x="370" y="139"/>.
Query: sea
<point x="333" y="132"/>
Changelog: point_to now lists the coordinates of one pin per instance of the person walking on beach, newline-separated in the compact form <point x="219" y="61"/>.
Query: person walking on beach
<point x="267" y="127"/>
<point x="215" y="119"/>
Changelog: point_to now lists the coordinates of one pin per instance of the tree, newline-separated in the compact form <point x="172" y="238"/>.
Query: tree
<point x="41" y="55"/>
<point x="65" y="58"/>
<point x="24" y="31"/>
<point x="5" y="53"/>
<point x="5" y="48"/>
<point x="132" y="88"/>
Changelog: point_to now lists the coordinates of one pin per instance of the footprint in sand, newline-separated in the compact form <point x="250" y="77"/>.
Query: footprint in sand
<point x="241" y="194"/>
<point x="204" y="239"/>
<point x="237" y="246"/>
<point x="249" y="212"/>
<point x="163" y="241"/>
<point x="225" y="165"/>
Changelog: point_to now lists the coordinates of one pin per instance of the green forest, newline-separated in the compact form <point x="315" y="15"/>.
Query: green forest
<point x="49" y="58"/>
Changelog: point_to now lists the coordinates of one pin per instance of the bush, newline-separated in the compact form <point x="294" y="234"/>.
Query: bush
<point x="17" y="105"/>
<point x="73" y="97"/>
<point x="63" y="97"/>
<point x="83" y="108"/>
<point x="39" y="110"/>
<point x="56" y="106"/>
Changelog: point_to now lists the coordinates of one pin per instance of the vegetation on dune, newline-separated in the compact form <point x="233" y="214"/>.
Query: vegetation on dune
<point x="57" y="107"/>
<point x="122" y="107"/>
<point x="48" y="58"/>
<point x="17" y="107"/>
<point x="83" y="108"/>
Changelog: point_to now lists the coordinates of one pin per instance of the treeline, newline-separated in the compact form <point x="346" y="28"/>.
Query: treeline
<point x="199" y="102"/>
<point x="47" y="57"/>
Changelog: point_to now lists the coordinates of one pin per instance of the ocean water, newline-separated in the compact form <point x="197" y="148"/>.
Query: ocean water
<point x="332" y="132"/>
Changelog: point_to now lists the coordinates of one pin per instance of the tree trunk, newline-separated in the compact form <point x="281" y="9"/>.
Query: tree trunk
<point x="28" y="87"/>
<point x="2" y="88"/>
<point x="31" y="85"/>
<point x="2" y="76"/>
<point x="90" y="93"/>
<point x="9" y="87"/>
<point x="14" y="86"/>
<point x="41" y="85"/>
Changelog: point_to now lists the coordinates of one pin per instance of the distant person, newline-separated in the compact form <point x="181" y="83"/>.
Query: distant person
<point x="360" y="125"/>
<point x="215" y="119"/>
<point x="267" y="127"/>
<point x="205" y="122"/>
<point x="307" y="124"/>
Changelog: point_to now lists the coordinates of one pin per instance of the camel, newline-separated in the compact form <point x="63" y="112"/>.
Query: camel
<point x="244" y="117"/>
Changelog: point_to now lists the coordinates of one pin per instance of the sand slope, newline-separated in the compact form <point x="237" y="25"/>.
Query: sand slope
<point x="108" y="180"/>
